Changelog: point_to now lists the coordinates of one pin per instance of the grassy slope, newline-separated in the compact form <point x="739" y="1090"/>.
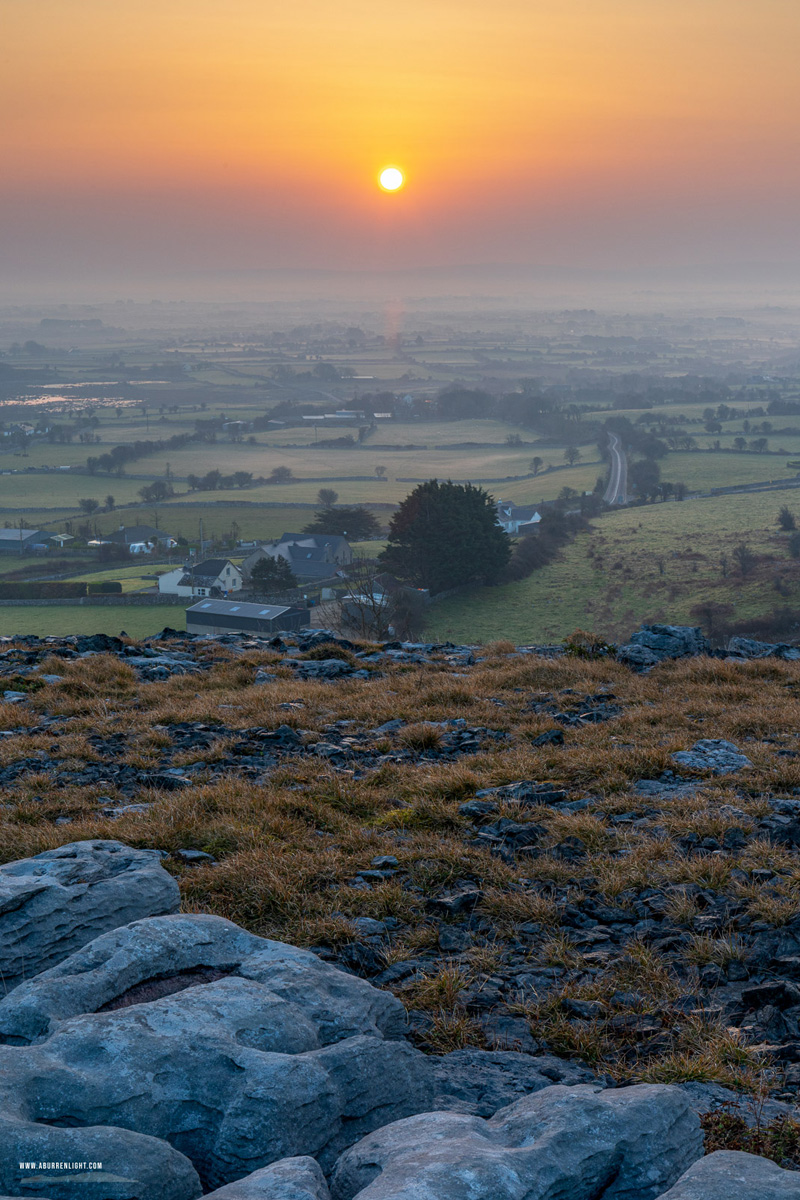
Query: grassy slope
<point x="609" y="580"/>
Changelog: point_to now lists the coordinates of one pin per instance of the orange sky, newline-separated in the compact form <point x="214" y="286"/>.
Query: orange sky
<point x="240" y="133"/>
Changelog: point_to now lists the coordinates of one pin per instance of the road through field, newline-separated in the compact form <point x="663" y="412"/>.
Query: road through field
<point x="616" y="492"/>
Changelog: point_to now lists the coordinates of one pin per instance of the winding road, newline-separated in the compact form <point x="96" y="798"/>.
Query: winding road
<point x="616" y="492"/>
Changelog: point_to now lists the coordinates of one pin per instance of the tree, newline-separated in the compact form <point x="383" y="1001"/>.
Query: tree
<point x="571" y="455"/>
<point x="380" y="471"/>
<point x="739" y="443"/>
<point x="272" y="575"/>
<point x="355" y="522"/>
<point x="154" y="493"/>
<point x="786" y="519"/>
<point x="645" y="476"/>
<point x="242" y="479"/>
<point x="281" y="475"/>
<point x="457" y="403"/>
<point x="376" y="605"/>
<point x="110" y="502"/>
<point x="536" y="464"/>
<point x="327" y="497"/>
<point x="89" y="505"/>
<point x="445" y="535"/>
<point x="681" y="491"/>
<point x="744" y="558"/>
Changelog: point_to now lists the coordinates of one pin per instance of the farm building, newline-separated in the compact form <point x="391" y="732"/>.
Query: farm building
<point x="214" y="617"/>
<point x="24" y="541"/>
<point x="128" y="535"/>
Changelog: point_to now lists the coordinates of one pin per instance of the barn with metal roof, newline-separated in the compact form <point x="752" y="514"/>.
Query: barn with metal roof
<point x="225" y="616"/>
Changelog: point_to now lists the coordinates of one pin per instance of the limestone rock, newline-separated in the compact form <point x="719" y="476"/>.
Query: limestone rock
<point x="714" y="755"/>
<point x="749" y="648"/>
<point x="233" y="1075"/>
<point x="480" y="1082"/>
<point x="621" y="1144"/>
<point x="671" y="641"/>
<point x="733" y="1175"/>
<point x="161" y="955"/>
<point x="134" y="1166"/>
<point x="56" y="902"/>
<point x="289" y="1179"/>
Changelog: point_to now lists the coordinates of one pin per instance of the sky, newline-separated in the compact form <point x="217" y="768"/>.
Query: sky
<point x="174" y="136"/>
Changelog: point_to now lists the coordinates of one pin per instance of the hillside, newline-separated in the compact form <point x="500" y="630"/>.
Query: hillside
<point x="648" y="563"/>
<point x="469" y="832"/>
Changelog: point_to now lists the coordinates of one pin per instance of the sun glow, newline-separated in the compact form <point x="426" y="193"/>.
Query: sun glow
<point x="391" y="178"/>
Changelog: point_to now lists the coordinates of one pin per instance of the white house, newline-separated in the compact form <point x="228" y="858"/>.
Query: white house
<point x="214" y="577"/>
<point x="516" y="518"/>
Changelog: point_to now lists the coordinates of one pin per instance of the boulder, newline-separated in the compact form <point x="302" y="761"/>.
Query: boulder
<point x="56" y="902"/>
<point x="289" y="1179"/>
<point x="103" y="1164"/>
<point x="232" y="1074"/>
<point x="480" y="1082"/>
<point x="621" y="1144"/>
<point x="637" y="656"/>
<point x="160" y="956"/>
<point x="669" y="641"/>
<point x="733" y="1175"/>
<point x="714" y="755"/>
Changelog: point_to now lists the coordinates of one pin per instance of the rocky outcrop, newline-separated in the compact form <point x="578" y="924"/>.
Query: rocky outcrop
<point x="741" y="647"/>
<point x="226" y="1049"/>
<point x="626" y="1144"/>
<point x="480" y="1082"/>
<point x="290" y="1179"/>
<point x="732" y="1175"/>
<point x="56" y="902"/>
<point x="160" y="956"/>
<point x="653" y="643"/>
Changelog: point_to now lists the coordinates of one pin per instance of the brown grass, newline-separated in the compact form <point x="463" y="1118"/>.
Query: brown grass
<point x="288" y="846"/>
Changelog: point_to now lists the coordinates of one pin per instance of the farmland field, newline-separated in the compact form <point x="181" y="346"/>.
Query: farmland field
<point x="716" y="399"/>
<point x="61" y="620"/>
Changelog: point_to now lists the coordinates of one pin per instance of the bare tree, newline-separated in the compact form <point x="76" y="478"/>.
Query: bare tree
<point x="375" y="606"/>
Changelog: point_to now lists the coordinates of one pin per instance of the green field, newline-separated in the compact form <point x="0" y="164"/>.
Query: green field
<point x="652" y="563"/>
<point x="57" y="620"/>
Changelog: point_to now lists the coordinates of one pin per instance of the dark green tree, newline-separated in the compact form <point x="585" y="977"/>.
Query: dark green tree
<point x="786" y="519"/>
<point x="645" y="475"/>
<point x="445" y="535"/>
<point x="355" y="522"/>
<point x="272" y="575"/>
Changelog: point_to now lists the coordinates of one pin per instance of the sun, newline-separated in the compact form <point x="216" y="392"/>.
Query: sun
<point x="391" y="178"/>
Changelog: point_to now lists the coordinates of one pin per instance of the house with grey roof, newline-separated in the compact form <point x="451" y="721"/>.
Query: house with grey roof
<point x="517" y="519"/>
<point x="214" y="577"/>
<point x="312" y="557"/>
